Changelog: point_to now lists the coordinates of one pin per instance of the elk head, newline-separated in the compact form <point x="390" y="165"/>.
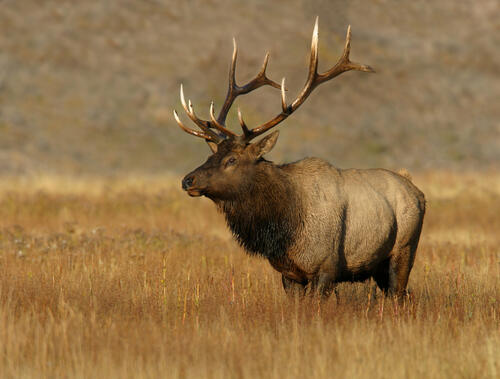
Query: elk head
<point x="235" y="160"/>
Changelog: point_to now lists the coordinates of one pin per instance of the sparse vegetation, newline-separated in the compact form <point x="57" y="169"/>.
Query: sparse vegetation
<point x="130" y="278"/>
<point x="89" y="86"/>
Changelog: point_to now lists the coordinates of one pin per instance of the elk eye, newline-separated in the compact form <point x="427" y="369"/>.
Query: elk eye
<point x="230" y="161"/>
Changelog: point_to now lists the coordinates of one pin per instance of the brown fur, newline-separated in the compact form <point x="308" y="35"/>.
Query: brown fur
<point x="316" y="224"/>
<point x="405" y="174"/>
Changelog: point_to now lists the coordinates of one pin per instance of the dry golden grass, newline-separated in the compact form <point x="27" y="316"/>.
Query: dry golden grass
<point x="130" y="278"/>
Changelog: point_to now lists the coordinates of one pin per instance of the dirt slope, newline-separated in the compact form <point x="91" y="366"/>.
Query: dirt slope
<point x="88" y="87"/>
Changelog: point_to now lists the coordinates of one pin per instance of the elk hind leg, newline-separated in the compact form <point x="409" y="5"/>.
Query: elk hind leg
<point x="382" y="277"/>
<point x="400" y="266"/>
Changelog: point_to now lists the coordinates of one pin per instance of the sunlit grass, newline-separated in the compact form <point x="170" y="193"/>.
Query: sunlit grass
<point x="130" y="278"/>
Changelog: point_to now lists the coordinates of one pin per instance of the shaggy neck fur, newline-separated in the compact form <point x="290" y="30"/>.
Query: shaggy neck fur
<point x="267" y="216"/>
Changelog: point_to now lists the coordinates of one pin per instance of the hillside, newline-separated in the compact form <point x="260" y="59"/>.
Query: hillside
<point x="89" y="87"/>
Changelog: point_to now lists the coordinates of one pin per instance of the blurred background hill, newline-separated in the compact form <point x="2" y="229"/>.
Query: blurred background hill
<point x="88" y="87"/>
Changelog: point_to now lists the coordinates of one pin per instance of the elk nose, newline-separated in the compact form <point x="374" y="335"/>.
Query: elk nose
<point x="187" y="182"/>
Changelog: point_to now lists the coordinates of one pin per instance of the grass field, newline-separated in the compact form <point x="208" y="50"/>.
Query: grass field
<point x="130" y="278"/>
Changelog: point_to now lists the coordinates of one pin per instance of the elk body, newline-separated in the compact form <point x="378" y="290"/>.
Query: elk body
<point x="316" y="224"/>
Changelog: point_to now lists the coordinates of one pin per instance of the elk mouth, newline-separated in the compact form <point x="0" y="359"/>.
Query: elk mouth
<point x="194" y="192"/>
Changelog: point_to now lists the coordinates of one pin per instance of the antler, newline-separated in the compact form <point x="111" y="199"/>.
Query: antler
<point x="313" y="80"/>
<point x="233" y="92"/>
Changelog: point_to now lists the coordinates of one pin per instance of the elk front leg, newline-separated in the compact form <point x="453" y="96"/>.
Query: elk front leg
<point x="323" y="286"/>
<point x="293" y="288"/>
<point x="326" y="278"/>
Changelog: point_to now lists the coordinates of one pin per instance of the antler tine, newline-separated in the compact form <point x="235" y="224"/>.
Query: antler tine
<point x="232" y="69"/>
<point x="344" y="64"/>
<point x="313" y="80"/>
<point x="195" y="132"/>
<point x="246" y="132"/>
<point x="235" y="90"/>
<point x="218" y="125"/>
<point x="313" y="69"/>
<point x="283" y="97"/>
<point x="313" y="61"/>
<point x="202" y="124"/>
<point x="264" y="65"/>
<point x="347" y="46"/>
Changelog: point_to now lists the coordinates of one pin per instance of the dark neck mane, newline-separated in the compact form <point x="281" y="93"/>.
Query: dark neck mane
<point x="266" y="218"/>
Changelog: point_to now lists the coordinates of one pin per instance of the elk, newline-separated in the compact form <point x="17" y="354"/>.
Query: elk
<point x="318" y="225"/>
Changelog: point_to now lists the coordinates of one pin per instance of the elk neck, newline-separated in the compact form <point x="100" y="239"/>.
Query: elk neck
<point x="266" y="217"/>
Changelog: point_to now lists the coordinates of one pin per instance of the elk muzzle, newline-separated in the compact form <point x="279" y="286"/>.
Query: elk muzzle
<point x="189" y="185"/>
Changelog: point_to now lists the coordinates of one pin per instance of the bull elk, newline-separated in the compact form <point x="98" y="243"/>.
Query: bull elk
<point x="318" y="225"/>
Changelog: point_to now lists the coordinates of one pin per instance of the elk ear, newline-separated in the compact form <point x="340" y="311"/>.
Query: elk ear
<point x="212" y="146"/>
<point x="265" y="145"/>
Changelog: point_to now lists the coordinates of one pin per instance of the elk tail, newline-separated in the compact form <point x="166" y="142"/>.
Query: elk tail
<point x="405" y="174"/>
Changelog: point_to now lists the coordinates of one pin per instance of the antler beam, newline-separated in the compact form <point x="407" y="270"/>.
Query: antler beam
<point x="234" y="90"/>
<point x="314" y="79"/>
